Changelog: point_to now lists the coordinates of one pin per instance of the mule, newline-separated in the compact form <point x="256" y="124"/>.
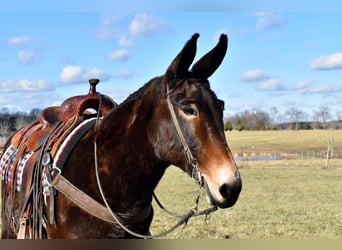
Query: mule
<point x="174" y="119"/>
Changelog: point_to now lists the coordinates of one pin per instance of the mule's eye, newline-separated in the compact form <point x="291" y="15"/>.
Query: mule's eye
<point x="190" y="111"/>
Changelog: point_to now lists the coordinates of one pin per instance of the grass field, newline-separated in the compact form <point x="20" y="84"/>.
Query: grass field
<point x="283" y="199"/>
<point x="275" y="203"/>
<point x="285" y="141"/>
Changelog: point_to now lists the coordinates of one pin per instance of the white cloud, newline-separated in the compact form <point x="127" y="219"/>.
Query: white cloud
<point x="119" y="55"/>
<point x="302" y="85"/>
<point x="24" y="85"/>
<point x="29" y="56"/>
<point x="19" y="40"/>
<point x="72" y="74"/>
<point x="254" y="76"/>
<point x="96" y="73"/>
<point x="327" y="62"/>
<point x="26" y="101"/>
<point x="145" y="25"/>
<point x="271" y="84"/>
<point x="269" y="20"/>
<point x="75" y="74"/>
<point x="124" y="41"/>
<point x="324" y="89"/>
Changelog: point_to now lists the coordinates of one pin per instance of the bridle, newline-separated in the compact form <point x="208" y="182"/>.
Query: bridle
<point x="196" y="175"/>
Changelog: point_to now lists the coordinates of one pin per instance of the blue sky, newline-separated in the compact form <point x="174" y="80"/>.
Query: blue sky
<point x="278" y="55"/>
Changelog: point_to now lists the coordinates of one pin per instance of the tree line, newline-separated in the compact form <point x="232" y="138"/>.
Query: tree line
<point x="253" y="119"/>
<point x="293" y="118"/>
<point x="10" y="122"/>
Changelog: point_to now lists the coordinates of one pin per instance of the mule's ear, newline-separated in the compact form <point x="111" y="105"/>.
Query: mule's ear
<point x="207" y="65"/>
<point x="180" y="65"/>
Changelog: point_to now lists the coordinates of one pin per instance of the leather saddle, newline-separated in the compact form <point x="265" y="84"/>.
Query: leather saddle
<point x="56" y="118"/>
<point x="53" y="125"/>
<point x="26" y="148"/>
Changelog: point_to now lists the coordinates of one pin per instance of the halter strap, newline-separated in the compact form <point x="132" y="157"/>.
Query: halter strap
<point x="196" y="175"/>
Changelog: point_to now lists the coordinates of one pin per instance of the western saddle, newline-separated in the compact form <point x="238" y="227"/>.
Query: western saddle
<point x="45" y="136"/>
<point x="57" y="120"/>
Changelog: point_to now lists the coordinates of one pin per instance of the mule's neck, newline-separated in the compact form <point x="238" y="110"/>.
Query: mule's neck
<point x="128" y="165"/>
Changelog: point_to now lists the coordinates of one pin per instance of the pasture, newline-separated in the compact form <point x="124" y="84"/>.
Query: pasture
<point x="283" y="199"/>
<point x="293" y="144"/>
<point x="279" y="202"/>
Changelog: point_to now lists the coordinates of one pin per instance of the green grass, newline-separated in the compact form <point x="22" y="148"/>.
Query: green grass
<point x="275" y="203"/>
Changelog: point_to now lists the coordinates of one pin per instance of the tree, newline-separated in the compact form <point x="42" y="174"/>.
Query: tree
<point x="4" y="114"/>
<point x="274" y="116"/>
<point x="322" y="115"/>
<point x="5" y="111"/>
<point x="20" y="122"/>
<point x="295" y="115"/>
<point x="34" y="113"/>
<point x="239" y="125"/>
<point x="228" y="126"/>
<point x="254" y="119"/>
<point x="5" y="129"/>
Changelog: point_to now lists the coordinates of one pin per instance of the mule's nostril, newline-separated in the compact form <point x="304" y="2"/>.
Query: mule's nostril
<point x="225" y="195"/>
<point x="224" y="190"/>
<point x="231" y="193"/>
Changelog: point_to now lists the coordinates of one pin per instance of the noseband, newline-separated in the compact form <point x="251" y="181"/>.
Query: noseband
<point x="196" y="174"/>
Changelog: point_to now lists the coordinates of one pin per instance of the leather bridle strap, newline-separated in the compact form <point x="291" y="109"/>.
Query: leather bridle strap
<point x="191" y="159"/>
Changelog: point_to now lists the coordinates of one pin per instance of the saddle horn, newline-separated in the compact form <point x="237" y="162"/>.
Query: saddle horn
<point x="208" y="64"/>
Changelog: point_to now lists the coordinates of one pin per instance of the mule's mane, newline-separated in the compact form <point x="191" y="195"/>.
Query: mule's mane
<point x="138" y="93"/>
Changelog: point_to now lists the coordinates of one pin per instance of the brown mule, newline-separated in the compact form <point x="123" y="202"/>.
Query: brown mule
<point x="173" y="119"/>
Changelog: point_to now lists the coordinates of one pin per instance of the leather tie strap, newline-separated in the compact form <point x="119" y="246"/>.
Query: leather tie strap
<point x="91" y="206"/>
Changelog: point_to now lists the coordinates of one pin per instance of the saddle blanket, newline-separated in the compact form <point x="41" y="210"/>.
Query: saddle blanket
<point x="7" y="166"/>
<point x="12" y="169"/>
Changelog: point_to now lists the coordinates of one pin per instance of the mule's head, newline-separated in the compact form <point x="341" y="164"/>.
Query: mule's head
<point x="199" y="114"/>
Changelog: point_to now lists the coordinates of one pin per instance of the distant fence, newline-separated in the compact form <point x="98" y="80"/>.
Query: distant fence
<point x="278" y="154"/>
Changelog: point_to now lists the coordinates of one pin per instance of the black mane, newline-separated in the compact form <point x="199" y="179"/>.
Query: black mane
<point x="137" y="94"/>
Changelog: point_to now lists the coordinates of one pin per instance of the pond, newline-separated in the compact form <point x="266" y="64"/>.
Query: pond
<point x="258" y="158"/>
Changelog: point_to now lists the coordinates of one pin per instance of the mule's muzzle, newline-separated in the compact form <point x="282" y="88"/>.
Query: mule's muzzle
<point x="229" y="193"/>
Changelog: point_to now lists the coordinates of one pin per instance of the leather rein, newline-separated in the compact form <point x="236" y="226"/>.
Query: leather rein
<point x="105" y="213"/>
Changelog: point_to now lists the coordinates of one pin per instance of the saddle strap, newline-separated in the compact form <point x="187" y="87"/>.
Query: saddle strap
<point x="25" y="227"/>
<point x="91" y="206"/>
